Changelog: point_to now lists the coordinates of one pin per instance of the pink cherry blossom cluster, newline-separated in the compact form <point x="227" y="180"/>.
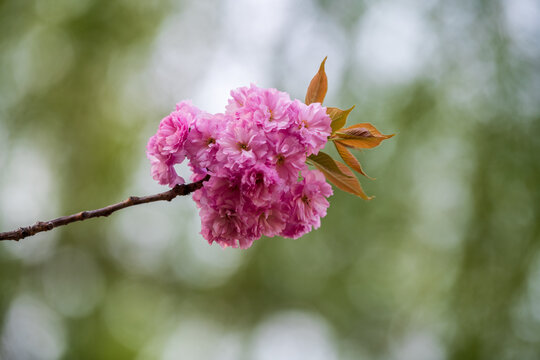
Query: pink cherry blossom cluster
<point x="256" y="155"/>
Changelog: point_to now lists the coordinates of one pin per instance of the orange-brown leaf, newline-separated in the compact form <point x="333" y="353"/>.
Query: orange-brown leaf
<point x="361" y="136"/>
<point x="370" y="128"/>
<point x="349" y="183"/>
<point x="350" y="159"/>
<point x="318" y="86"/>
<point x="338" y="116"/>
<point x="327" y="162"/>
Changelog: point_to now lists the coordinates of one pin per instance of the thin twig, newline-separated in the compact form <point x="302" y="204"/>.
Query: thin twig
<point x="178" y="190"/>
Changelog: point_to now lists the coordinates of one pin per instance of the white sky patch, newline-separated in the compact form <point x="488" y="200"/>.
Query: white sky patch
<point x="243" y="57"/>
<point x="193" y="60"/>
<point x="146" y="232"/>
<point x="523" y="19"/>
<point x="202" y="265"/>
<point x="73" y="282"/>
<point x="419" y="346"/>
<point x="32" y="331"/>
<point x="183" y="47"/>
<point x="293" y="335"/>
<point x="4" y="142"/>
<point x="255" y="23"/>
<point x="224" y="74"/>
<point x="143" y="235"/>
<point x="198" y="338"/>
<point x="27" y="193"/>
<point x="309" y="38"/>
<point x="393" y="42"/>
<point x="165" y="236"/>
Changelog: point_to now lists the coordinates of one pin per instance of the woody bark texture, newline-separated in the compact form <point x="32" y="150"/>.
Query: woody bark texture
<point x="40" y="226"/>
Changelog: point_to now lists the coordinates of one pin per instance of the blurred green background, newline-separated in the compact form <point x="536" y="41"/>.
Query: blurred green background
<point x="443" y="264"/>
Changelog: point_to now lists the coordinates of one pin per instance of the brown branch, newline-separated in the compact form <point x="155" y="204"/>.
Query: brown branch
<point x="178" y="190"/>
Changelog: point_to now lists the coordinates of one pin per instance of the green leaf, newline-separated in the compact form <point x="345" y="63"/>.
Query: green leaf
<point x="338" y="116"/>
<point x="327" y="162"/>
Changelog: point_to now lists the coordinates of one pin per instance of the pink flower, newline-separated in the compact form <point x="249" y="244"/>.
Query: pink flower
<point x="275" y="107"/>
<point x="261" y="184"/>
<point x="310" y="197"/>
<point x="238" y="100"/>
<point x="308" y="203"/>
<point x="254" y="154"/>
<point x="187" y="108"/>
<point x="295" y="230"/>
<point x="289" y="156"/>
<point x="166" y="147"/>
<point x="201" y="145"/>
<point x="162" y="165"/>
<point x="223" y="218"/>
<point x="198" y="173"/>
<point x="272" y="221"/>
<point x="241" y="146"/>
<point x="162" y="170"/>
<point x="268" y="108"/>
<point x="171" y="135"/>
<point x="223" y="226"/>
<point x="313" y="123"/>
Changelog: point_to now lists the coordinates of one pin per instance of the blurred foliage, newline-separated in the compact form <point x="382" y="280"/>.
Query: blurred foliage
<point x="443" y="264"/>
